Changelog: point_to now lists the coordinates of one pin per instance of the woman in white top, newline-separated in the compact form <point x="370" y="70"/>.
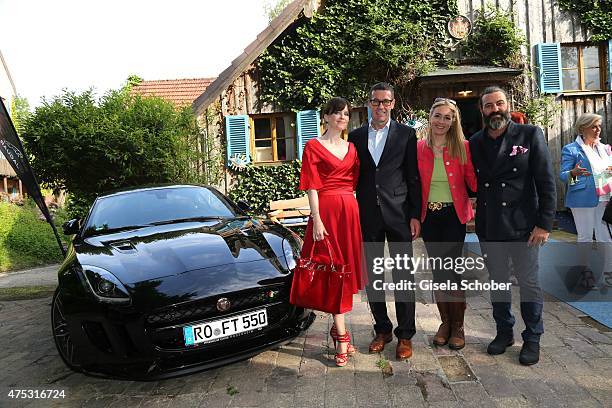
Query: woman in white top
<point x="585" y="167"/>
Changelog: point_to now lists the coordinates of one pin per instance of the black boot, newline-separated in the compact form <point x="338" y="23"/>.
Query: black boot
<point x="500" y="343"/>
<point x="530" y="353"/>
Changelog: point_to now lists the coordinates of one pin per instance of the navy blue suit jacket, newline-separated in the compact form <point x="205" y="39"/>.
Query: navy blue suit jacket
<point x="516" y="192"/>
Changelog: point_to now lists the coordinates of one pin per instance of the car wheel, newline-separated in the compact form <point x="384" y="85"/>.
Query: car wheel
<point x="61" y="332"/>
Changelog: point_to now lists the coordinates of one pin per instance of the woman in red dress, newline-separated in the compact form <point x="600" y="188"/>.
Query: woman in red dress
<point x="330" y="168"/>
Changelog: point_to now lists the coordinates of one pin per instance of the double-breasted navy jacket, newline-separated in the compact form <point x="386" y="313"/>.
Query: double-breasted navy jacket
<point x="517" y="191"/>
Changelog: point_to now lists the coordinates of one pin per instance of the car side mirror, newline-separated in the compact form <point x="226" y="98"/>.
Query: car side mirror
<point x="71" y="227"/>
<point x="244" y="206"/>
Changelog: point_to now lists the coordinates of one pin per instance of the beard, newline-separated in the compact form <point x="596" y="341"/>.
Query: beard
<point x="497" y="120"/>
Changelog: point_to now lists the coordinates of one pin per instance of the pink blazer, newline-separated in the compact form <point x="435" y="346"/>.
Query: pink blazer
<point x="459" y="175"/>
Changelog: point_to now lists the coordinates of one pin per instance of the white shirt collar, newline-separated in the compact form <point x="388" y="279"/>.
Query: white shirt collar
<point x="384" y="128"/>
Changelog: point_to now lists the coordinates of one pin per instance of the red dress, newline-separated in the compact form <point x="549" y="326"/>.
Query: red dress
<point x="335" y="181"/>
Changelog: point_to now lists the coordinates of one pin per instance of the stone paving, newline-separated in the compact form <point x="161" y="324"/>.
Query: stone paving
<point x="574" y="370"/>
<point x="43" y="276"/>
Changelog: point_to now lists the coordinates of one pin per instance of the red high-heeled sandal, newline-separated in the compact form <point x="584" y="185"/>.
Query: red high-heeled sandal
<point x="342" y="358"/>
<point x="333" y="333"/>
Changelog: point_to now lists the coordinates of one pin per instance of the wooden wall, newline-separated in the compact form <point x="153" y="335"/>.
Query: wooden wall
<point x="543" y="21"/>
<point x="242" y="96"/>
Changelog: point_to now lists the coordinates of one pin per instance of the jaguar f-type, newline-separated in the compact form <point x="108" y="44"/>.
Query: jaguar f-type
<point x="167" y="280"/>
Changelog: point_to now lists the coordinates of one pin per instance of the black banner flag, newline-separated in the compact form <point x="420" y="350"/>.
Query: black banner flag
<point x="12" y="149"/>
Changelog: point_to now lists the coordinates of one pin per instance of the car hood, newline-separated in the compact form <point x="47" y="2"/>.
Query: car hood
<point x="159" y="251"/>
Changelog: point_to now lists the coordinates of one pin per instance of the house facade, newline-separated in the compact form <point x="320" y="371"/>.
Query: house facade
<point x="10" y="186"/>
<point x="561" y="60"/>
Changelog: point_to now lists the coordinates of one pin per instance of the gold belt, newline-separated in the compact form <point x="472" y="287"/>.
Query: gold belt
<point x="437" y="205"/>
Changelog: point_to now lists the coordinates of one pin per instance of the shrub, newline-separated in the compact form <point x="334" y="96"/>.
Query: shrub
<point x="261" y="184"/>
<point x="25" y="240"/>
<point x="495" y="39"/>
<point x="87" y="146"/>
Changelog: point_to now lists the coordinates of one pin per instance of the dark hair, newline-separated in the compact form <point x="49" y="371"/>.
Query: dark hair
<point x="335" y="105"/>
<point x="492" y="89"/>
<point x="382" y="86"/>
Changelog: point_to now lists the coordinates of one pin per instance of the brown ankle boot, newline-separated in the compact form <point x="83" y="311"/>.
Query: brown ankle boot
<point x="456" y="340"/>
<point x="441" y="337"/>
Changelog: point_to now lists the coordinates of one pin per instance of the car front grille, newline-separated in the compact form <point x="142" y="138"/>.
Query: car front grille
<point x="207" y="308"/>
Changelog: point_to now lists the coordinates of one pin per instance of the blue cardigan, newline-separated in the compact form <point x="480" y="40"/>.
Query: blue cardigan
<point x="582" y="192"/>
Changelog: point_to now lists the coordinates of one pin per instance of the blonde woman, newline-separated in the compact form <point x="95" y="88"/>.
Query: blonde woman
<point x="445" y="167"/>
<point x="582" y="162"/>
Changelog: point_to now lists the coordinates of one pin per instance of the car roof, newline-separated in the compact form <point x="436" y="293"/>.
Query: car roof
<point x="128" y="190"/>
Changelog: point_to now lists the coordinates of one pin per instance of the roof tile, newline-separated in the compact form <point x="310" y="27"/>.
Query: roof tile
<point x="181" y="92"/>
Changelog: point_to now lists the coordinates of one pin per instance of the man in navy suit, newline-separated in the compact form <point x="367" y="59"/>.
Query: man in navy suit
<point x="516" y="204"/>
<point x="389" y="197"/>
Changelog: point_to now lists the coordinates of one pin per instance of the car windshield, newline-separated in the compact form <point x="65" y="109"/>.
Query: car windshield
<point x="156" y="206"/>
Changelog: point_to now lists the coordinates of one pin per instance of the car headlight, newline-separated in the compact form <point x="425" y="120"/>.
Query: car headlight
<point x="105" y="285"/>
<point x="291" y="253"/>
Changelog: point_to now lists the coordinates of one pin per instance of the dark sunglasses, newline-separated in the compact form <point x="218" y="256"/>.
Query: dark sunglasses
<point x="385" y="102"/>
<point x="445" y="100"/>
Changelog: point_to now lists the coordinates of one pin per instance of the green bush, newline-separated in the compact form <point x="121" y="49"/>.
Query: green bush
<point x="495" y="39"/>
<point x="87" y="145"/>
<point x="261" y="184"/>
<point x="25" y="240"/>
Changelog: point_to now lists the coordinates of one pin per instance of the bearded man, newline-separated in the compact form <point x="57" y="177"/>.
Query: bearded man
<point x="516" y="203"/>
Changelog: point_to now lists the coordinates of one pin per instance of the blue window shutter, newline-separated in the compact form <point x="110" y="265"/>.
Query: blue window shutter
<point x="549" y="67"/>
<point x="609" y="64"/>
<point x="369" y="114"/>
<point x="308" y="127"/>
<point x="237" y="133"/>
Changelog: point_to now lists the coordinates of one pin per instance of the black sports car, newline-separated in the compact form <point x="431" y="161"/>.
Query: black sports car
<point x="168" y="280"/>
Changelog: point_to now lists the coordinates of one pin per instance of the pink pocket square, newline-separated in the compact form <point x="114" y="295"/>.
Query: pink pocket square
<point x="518" y="150"/>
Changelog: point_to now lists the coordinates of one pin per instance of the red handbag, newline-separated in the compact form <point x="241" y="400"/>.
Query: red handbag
<point x="322" y="286"/>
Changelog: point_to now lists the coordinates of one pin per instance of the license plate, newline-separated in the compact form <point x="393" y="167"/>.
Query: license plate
<point x="222" y="328"/>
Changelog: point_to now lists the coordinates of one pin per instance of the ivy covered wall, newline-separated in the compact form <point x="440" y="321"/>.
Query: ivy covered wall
<point x="596" y="15"/>
<point x="350" y="45"/>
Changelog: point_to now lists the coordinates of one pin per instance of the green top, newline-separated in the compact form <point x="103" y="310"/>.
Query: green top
<point x="439" y="190"/>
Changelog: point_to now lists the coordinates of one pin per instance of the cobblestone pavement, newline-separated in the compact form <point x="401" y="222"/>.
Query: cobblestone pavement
<point x="574" y="370"/>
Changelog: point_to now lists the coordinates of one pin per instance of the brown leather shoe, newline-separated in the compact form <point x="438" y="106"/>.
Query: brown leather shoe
<point x="378" y="344"/>
<point x="404" y="349"/>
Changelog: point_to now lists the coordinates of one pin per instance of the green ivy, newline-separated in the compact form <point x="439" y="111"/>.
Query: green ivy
<point x="495" y="40"/>
<point x="350" y="45"/>
<point x="542" y="110"/>
<point x="261" y="184"/>
<point x="595" y="15"/>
